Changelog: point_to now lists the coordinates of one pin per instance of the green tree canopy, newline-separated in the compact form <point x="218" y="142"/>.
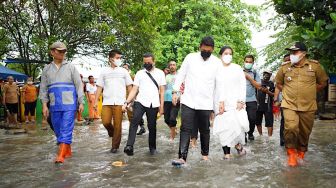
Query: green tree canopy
<point x="32" y="25"/>
<point x="170" y="29"/>
<point x="133" y="26"/>
<point x="227" y="21"/>
<point x="313" y="22"/>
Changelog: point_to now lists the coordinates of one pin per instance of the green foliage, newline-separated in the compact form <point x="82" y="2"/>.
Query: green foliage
<point x="276" y="50"/>
<point x="226" y="21"/>
<point x="170" y="29"/>
<point x="4" y="42"/>
<point x="316" y="25"/>
<point x="32" y="25"/>
<point x="134" y="26"/>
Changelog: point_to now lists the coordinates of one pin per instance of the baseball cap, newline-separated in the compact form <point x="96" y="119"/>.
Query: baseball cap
<point x="298" y="46"/>
<point x="58" y="46"/>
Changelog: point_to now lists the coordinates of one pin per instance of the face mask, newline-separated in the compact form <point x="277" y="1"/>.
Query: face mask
<point x="248" y="66"/>
<point x="205" y="55"/>
<point x="117" y="62"/>
<point x="227" y="59"/>
<point x="295" y="58"/>
<point x="30" y="82"/>
<point x="266" y="77"/>
<point x="148" y="66"/>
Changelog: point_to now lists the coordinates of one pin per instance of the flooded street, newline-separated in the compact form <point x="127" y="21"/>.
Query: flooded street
<point x="26" y="160"/>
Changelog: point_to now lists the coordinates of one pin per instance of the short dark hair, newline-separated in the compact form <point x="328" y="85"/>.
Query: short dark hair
<point x="208" y="41"/>
<point x="90" y="77"/>
<point x="221" y="51"/>
<point x="127" y="64"/>
<point x="148" y="54"/>
<point x="112" y="53"/>
<point x="249" y="56"/>
<point x="287" y="55"/>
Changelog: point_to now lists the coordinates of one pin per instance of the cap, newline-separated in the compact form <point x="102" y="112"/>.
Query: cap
<point x="58" y="46"/>
<point x="267" y="71"/>
<point x="298" y="46"/>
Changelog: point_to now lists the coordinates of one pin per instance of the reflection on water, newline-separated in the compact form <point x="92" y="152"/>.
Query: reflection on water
<point x="27" y="161"/>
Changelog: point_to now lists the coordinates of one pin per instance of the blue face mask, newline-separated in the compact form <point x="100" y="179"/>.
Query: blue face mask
<point x="248" y="66"/>
<point x="117" y="62"/>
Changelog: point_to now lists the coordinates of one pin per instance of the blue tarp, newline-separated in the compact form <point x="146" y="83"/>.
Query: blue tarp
<point x="5" y="72"/>
<point x="332" y="78"/>
<point x="23" y="61"/>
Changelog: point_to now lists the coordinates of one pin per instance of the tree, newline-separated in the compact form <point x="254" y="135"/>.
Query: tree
<point x="4" y="41"/>
<point x="168" y="28"/>
<point x="133" y="26"/>
<point x="315" y="24"/>
<point x="226" y="21"/>
<point x="32" y="25"/>
<point x="276" y="50"/>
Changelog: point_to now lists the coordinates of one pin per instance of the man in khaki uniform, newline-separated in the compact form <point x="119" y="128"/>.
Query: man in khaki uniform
<point x="299" y="81"/>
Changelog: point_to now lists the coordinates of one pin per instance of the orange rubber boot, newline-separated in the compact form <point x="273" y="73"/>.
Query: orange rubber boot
<point x="68" y="152"/>
<point x="61" y="153"/>
<point x="292" y="157"/>
<point x="300" y="154"/>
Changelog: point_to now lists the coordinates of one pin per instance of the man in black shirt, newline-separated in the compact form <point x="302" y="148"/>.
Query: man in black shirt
<point x="265" y="103"/>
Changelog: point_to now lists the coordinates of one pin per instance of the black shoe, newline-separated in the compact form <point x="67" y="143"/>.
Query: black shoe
<point x="141" y="131"/>
<point x="128" y="150"/>
<point x="113" y="150"/>
<point x="251" y="137"/>
<point x="153" y="151"/>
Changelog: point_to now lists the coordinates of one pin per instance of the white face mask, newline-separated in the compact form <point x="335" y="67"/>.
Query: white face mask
<point x="117" y="62"/>
<point x="30" y="82"/>
<point x="227" y="59"/>
<point x="295" y="58"/>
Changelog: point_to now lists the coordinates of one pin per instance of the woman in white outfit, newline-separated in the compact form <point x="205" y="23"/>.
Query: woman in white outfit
<point x="230" y="127"/>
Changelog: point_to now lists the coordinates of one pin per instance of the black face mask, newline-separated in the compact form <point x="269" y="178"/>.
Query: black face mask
<point x="148" y="66"/>
<point x="205" y="54"/>
<point x="266" y="77"/>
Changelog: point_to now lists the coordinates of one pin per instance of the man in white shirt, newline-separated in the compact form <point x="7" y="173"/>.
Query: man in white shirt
<point x="91" y="89"/>
<point x="114" y="80"/>
<point x="149" y="83"/>
<point x="129" y="112"/>
<point x="198" y="72"/>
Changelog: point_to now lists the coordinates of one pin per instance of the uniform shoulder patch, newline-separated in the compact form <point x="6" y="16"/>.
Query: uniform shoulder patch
<point x="285" y="63"/>
<point x="314" y="61"/>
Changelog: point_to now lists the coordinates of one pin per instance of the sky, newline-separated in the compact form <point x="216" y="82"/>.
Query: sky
<point x="260" y="39"/>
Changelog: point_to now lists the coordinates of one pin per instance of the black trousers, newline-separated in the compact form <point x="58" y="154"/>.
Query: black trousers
<point x="30" y="108"/>
<point x="190" y="117"/>
<point x="151" y="114"/>
<point x="170" y="113"/>
<point x="194" y="131"/>
<point x="251" y="109"/>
